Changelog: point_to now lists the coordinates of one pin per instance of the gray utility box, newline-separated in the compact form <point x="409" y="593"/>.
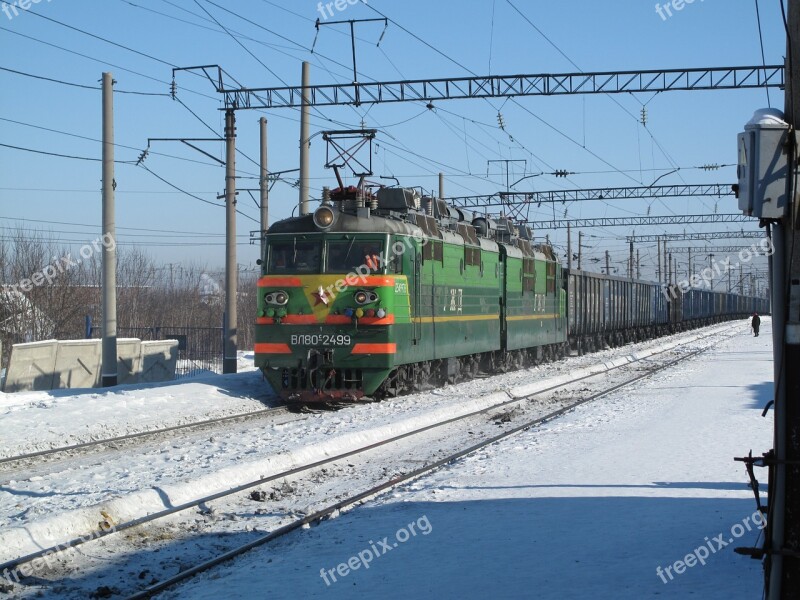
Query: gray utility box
<point x="764" y="165"/>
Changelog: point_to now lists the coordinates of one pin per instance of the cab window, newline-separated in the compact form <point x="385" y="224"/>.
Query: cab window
<point x="349" y="255"/>
<point x="295" y="257"/>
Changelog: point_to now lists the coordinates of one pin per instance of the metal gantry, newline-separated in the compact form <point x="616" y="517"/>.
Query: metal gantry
<point x="716" y="190"/>
<point x="638" y="221"/>
<point x="715" y="235"/>
<point x="718" y="249"/>
<point x="505" y="86"/>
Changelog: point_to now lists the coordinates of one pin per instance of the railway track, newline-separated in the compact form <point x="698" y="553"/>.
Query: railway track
<point x="122" y="442"/>
<point x="321" y="514"/>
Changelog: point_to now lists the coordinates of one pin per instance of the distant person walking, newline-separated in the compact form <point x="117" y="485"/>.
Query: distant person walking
<point x="756" y="323"/>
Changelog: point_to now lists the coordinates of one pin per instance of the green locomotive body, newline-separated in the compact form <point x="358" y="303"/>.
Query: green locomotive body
<point x="374" y="296"/>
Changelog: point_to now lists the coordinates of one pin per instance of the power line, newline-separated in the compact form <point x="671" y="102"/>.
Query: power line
<point x="77" y="85"/>
<point x="118" y="227"/>
<point x="102" y="62"/>
<point x="172" y="185"/>
<point x="124" y="162"/>
<point x="83" y="137"/>
<point x="102" y="39"/>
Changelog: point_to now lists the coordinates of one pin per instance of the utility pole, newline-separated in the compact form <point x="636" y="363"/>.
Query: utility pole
<point x="741" y="280"/>
<point x="638" y="265"/>
<point x="608" y="264"/>
<point x="441" y="186"/>
<point x="264" y="185"/>
<point x="109" y="365"/>
<point x="229" y="359"/>
<point x="711" y="269"/>
<point x="580" y="250"/>
<point x="671" y="267"/>
<point x="630" y="263"/>
<point x="730" y="288"/>
<point x="660" y="279"/>
<point x="569" y="248"/>
<point x="690" y="265"/>
<point x="305" y="140"/>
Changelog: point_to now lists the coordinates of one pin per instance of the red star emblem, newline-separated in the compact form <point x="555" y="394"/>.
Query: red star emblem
<point x="320" y="297"/>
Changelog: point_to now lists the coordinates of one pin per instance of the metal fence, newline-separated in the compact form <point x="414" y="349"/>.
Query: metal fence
<point x="200" y="349"/>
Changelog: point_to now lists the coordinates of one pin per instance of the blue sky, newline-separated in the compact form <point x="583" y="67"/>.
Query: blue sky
<point x="684" y="129"/>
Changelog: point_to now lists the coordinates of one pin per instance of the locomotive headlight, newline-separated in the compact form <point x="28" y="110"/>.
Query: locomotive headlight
<point x="279" y="298"/>
<point x="365" y="297"/>
<point x="324" y="217"/>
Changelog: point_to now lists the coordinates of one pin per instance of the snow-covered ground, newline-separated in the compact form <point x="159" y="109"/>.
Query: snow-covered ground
<point x="592" y="503"/>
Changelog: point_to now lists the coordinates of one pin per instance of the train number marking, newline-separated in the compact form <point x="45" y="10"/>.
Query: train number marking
<point x="400" y="287"/>
<point x="321" y="339"/>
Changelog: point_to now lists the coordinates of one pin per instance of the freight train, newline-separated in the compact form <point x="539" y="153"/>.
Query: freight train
<point x="380" y="294"/>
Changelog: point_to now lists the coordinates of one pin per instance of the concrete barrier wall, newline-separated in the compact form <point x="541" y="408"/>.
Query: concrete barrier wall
<point x="50" y="365"/>
<point x="31" y="366"/>
<point x="129" y="360"/>
<point x="78" y="364"/>
<point x="159" y="360"/>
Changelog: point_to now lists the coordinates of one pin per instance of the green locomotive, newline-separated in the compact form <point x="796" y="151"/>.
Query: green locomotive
<point x="380" y="294"/>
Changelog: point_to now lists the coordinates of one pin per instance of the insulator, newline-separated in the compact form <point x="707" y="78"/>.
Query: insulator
<point x="500" y="121"/>
<point x="644" y="115"/>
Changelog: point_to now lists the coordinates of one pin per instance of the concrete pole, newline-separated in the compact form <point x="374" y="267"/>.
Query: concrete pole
<point x="660" y="277"/>
<point x="305" y="141"/>
<point x="741" y="280"/>
<point x="580" y="250"/>
<point x="608" y="264"/>
<point x="638" y="265"/>
<point x="711" y="269"/>
<point x="109" y="366"/>
<point x="231" y="268"/>
<point x="690" y="265"/>
<point x="569" y="247"/>
<point x="264" y="185"/>
<point x="441" y="186"/>
<point x="630" y="263"/>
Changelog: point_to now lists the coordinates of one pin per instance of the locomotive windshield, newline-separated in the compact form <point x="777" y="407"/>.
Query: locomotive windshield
<point x="295" y="257"/>
<point x="348" y="255"/>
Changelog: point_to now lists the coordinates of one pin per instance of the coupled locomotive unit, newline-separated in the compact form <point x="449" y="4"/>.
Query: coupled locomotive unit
<point x="380" y="294"/>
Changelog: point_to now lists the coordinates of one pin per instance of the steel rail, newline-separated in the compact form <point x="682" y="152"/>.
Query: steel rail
<point x="320" y="515"/>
